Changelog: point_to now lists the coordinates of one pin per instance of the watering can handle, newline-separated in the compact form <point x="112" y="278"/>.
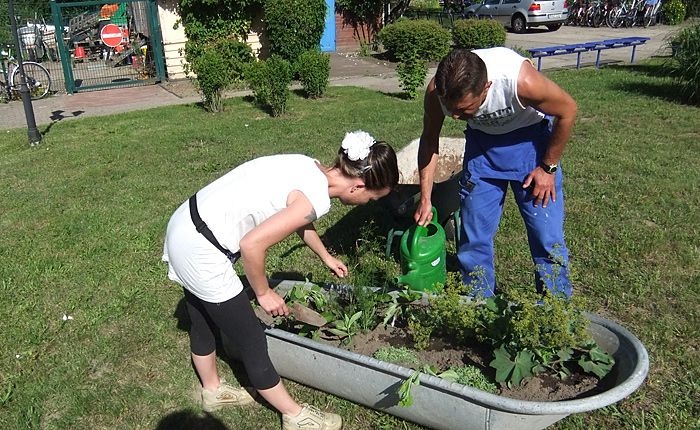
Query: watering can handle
<point x="420" y="229"/>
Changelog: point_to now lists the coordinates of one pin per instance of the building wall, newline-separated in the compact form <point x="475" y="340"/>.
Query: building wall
<point x="174" y="40"/>
<point x="349" y="38"/>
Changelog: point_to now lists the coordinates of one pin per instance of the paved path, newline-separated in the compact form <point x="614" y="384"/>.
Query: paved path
<point x="346" y="69"/>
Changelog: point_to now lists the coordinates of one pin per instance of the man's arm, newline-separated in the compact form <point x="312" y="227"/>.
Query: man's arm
<point x="536" y="90"/>
<point x="428" y="151"/>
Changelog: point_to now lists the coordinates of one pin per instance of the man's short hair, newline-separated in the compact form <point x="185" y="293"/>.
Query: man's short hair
<point x="460" y="73"/>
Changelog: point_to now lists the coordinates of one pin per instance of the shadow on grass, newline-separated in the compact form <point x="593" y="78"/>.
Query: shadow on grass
<point x="655" y="69"/>
<point x="400" y="95"/>
<point x="370" y="222"/>
<point x="670" y="91"/>
<point x="189" y="420"/>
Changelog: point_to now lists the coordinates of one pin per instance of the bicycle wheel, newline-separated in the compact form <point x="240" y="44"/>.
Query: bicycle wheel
<point x="38" y="80"/>
<point x="648" y="16"/>
<point x="596" y="17"/>
<point x="616" y="17"/>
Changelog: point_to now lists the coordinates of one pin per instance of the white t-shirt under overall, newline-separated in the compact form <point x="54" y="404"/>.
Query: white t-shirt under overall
<point x="231" y="206"/>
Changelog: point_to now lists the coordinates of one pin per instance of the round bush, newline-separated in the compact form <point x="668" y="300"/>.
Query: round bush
<point x="218" y="66"/>
<point x="406" y="39"/>
<point x="269" y="80"/>
<point x="674" y="12"/>
<point x="294" y="26"/>
<point x="478" y="33"/>
<point x="313" y="69"/>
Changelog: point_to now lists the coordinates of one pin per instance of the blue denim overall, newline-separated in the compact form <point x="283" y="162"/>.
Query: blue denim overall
<point x="491" y="164"/>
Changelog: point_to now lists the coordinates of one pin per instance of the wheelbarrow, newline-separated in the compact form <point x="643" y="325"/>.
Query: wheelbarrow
<point x="401" y="204"/>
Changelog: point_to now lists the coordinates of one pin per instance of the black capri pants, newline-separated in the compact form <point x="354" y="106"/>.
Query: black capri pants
<point x="235" y="319"/>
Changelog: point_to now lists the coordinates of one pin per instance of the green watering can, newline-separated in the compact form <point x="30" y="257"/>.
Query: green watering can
<point x="423" y="256"/>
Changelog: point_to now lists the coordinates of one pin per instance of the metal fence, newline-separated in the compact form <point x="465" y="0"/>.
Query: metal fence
<point x="96" y="44"/>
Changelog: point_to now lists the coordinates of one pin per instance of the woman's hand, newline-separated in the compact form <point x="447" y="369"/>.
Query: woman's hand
<point x="272" y="303"/>
<point x="336" y="266"/>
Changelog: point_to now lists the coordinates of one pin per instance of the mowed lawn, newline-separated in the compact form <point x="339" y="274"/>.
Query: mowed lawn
<point x="83" y="217"/>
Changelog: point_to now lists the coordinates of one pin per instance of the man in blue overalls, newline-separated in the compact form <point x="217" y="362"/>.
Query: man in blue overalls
<point x="518" y="123"/>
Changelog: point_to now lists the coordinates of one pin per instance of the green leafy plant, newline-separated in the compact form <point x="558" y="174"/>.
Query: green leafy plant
<point x="478" y="33"/>
<point x="308" y="293"/>
<point x="595" y="360"/>
<point x="394" y="354"/>
<point x="218" y="66"/>
<point x="673" y="12"/>
<point x="513" y="369"/>
<point x="407" y="40"/>
<point x="400" y="305"/>
<point x="471" y="376"/>
<point x="405" y="389"/>
<point x="420" y="332"/>
<point x="347" y="327"/>
<point x="212" y="27"/>
<point x="468" y="375"/>
<point x="362" y="299"/>
<point x="685" y="64"/>
<point x="412" y="74"/>
<point x="269" y="80"/>
<point x="294" y="26"/>
<point x="313" y="69"/>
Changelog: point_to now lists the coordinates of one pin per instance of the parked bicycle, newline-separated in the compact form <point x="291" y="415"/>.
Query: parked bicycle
<point x="37" y="77"/>
<point x="651" y="10"/>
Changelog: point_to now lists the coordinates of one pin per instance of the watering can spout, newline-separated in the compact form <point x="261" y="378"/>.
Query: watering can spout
<point x="409" y="278"/>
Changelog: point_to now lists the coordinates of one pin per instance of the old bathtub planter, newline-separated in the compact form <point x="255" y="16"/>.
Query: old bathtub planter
<point x="440" y="404"/>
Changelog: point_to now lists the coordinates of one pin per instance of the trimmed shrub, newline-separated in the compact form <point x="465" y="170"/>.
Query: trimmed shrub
<point x="217" y="67"/>
<point x="425" y="4"/>
<point x="685" y="65"/>
<point x="269" y="80"/>
<point x="313" y="69"/>
<point x="294" y="26"/>
<point x="406" y="38"/>
<point x="673" y="11"/>
<point x="478" y="33"/>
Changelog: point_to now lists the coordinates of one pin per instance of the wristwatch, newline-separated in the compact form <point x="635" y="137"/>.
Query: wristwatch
<point x="549" y="168"/>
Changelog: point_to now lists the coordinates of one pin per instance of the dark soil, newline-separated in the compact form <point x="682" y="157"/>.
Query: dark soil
<point x="443" y="355"/>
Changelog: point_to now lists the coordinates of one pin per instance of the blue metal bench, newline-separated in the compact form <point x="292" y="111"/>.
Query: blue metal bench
<point x="579" y="48"/>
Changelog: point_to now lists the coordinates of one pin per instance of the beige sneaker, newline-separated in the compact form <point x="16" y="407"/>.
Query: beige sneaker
<point x="312" y="418"/>
<point x="225" y="395"/>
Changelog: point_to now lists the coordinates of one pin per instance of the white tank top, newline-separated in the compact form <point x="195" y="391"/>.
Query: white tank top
<point x="502" y="111"/>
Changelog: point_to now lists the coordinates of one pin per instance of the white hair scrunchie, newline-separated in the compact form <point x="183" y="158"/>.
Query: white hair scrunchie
<point x="356" y="144"/>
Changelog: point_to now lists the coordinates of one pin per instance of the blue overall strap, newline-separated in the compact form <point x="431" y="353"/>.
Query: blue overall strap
<point x="203" y="229"/>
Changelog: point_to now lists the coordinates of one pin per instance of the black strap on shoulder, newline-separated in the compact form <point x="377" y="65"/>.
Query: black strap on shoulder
<point x="203" y="229"/>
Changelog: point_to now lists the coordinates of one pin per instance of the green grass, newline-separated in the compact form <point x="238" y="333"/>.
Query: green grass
<point x="83" y="217"/>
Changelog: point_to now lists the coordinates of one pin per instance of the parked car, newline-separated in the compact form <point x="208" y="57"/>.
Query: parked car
<point x="518" y="15"/>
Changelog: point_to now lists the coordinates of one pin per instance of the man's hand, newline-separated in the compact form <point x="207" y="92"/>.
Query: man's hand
<point x="337" y="266"/>
<point x="272" y="303"/>
<point x="542" y="184"/>
<point x="424" y="213"/>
